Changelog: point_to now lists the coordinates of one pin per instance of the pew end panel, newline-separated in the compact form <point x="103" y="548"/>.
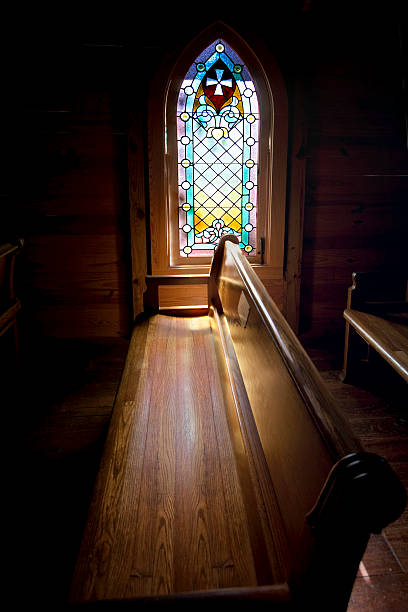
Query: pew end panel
<point x="228" y="473"/>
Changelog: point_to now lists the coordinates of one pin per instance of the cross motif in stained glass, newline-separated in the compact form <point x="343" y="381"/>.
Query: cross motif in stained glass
<point x="217" y="132"/>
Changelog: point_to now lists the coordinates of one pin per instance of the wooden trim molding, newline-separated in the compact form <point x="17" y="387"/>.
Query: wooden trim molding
<point x="137" y="212"/>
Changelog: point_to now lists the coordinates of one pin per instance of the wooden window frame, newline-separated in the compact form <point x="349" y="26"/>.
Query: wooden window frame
<point x="272" y="167"/>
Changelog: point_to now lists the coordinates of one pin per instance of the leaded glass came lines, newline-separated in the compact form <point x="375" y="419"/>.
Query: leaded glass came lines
<point x="217" y="131"/>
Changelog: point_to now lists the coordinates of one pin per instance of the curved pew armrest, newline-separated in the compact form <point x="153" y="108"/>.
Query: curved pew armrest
<point x="362" y="491"/>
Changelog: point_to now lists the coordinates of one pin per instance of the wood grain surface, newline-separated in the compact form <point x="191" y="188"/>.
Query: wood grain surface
<point x="388" y="337"/>
<point x="168" y="514"/>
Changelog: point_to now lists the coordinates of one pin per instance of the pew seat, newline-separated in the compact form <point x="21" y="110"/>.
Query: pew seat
<point x="228" y="472"/>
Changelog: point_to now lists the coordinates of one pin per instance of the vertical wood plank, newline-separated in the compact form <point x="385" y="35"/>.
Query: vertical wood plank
<point x="121" y="501"/>
<point x="153" y="546"/>
<point x="192" y="544"/>
<point x="295" y="212"/>
<point x="136" y="164"/>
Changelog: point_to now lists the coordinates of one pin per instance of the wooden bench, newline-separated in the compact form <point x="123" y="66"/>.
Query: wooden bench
<point x="228" y="473"/>
<point x="377" y="313"/>
<point x="10" y="304"/>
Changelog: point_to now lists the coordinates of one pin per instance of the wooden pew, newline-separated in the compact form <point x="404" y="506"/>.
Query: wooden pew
<point x="228" y="473"/>
<point x="376" y="317"/>
<point x="10" y="304"/>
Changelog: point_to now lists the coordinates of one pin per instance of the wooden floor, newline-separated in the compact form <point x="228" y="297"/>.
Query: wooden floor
<point x="56" y="419"/>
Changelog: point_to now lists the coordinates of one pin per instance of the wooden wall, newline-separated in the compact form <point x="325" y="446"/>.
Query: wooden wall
<point x="356" y="207"/>
<point x="69" y="195"/>
<point x="72" y="188"/>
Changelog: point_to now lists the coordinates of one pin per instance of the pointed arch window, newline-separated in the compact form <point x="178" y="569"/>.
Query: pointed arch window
<point x="218" y="136"/>
<point x="218" y="121"/>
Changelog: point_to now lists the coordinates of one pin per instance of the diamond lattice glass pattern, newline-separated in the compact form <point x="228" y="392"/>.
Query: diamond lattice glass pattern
<point x="217" y="132"/>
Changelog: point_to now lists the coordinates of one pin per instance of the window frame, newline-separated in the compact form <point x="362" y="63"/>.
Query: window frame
<point x="163" y="192"/>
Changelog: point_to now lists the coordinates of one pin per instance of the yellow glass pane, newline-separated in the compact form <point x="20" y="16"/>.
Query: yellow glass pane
<point x="210" y="204"/>
<point x="201" y="226"/>
<point x="201" y="212"/>
<point x="208" y="219"/>
<point x="227" y="219"/>
<point x="218" y="212"/>
<point x="201" y="197"/>
<point x="234" y="211"/>
<point x="234" y="196"/>
<point x="236" y="224"/>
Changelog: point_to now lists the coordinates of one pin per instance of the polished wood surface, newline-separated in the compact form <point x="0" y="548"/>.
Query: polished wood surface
<point x="236" y="279"/>
<point x="73" y="385"/>
<point x="169" y="513"/>
<point x="262" y="505"/>
<point x="193" y="286"/>
<point x="294" y="425"/>
<point x="377" y="312"/>
<point x="293" y="430"/>
<point x="223" y="440"/>
<point x="388" y="338"/>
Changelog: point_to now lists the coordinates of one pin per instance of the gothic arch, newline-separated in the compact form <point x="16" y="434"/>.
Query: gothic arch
<point x="162" y="147"/>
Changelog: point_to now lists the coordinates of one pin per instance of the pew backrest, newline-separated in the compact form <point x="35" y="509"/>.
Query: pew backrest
<point x="299" y="440"/>
<point x="311" y="495"/>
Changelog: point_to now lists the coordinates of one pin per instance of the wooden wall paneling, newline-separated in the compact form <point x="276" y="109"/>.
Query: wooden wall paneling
<point x="80" y="321"/>
<point x="360" y="226"/>
<point x="70" y="164"/>
<point x="73" y="165"/>
<point x="193" y="295"/>
<point x="69" y="279"/>
<point x="356" y="189"/>
<point x="357" y="171"/>
<point x="75" y="190"/>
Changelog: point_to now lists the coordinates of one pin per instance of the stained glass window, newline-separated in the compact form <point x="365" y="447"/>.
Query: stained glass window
<point x="217" y="133"/>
